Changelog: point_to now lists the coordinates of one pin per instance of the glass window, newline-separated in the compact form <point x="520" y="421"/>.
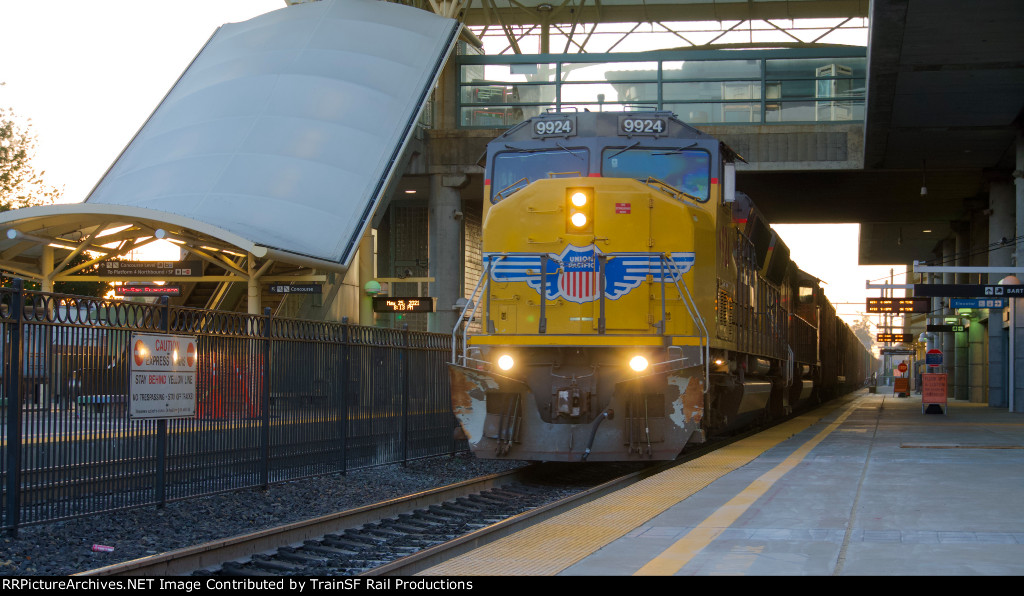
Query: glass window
<point x="689" y="170"/>
<point x="710" y="69"/>
<point x="816" y="67"/>
<point x="610" y="71"/>
<point x="508" y="73"/>
<point x="514" y="170"/>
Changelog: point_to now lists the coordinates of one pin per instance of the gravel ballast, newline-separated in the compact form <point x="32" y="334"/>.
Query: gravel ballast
<point x="66" y="547"/>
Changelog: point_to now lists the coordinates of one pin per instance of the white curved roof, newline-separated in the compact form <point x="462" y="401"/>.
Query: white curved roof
<point x="286" y="129"/>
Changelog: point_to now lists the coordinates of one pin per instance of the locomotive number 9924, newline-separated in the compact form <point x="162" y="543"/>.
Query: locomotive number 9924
<point x="642" y="126"/>
<point x="544" y="128"/>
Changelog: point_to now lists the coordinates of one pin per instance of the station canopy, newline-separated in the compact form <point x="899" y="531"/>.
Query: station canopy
<point x="279" y="140"/>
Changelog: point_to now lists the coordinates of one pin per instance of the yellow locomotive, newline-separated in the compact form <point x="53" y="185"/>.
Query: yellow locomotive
<point x="632" y="301"/>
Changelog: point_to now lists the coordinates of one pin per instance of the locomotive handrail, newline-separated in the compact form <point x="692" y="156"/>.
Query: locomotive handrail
<point x="694" y="314"/>
<point x="474" y="303"/>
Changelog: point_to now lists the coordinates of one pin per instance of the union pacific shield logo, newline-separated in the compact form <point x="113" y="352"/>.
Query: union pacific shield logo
<point x="574" y="274"/>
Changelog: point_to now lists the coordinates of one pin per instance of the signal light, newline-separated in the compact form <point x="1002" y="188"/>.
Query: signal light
<point x="579" y="208"/>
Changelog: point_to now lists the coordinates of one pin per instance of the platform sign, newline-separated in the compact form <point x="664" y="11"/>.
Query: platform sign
<point x="310" y="288"/>
<point x="152" y="269"/>
<point x="901" y="385"/>
<point x="933" y="390"/>
<point x="162" y="376"/>
<point x="933" y="357"/>
<point x="914" y="304"/>
<point x="967" y="290"/>
<point x="977" y="303"/>
<point x="946" y="328"/>
<point x="902" y="367"/>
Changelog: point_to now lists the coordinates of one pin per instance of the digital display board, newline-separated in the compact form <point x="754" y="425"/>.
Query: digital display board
<point x="894" y="338"/>
<point x="403" y="305"/>
<point x="897" y="305"/>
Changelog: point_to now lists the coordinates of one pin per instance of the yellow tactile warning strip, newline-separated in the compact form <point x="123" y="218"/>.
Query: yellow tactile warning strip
<point x="549" y="547"/>
<point x="679" y="554"/>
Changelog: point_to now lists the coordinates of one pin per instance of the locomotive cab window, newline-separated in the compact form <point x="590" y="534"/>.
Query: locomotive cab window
<point x="515" y="170"/>
<point x="689" y="170"/>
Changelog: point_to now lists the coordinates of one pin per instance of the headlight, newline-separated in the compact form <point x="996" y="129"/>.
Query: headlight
<point x="579" y="209"/>
<point x="638" y="363"/>
<point x="505" y="362"/>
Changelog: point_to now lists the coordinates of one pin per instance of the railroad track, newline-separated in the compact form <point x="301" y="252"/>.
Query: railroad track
<point x="401" y="536"/>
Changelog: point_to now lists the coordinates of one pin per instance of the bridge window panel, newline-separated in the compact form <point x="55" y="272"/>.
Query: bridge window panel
<point x="717" y="112"/>
<point x="497" y="116"/>
<point x="816" y="67"/>
<point x="708" y="90"/>
<point x="508" y="73"/>
<point x="672" y="70"/>
<point x="609" y="72"/>
<point x="507" y="94"/>
<point x="689" y="170"/>
<point x="514" y="170"/>
<point x="603" y="93"/>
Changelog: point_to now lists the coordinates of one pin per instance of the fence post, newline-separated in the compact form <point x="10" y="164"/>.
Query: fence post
<point x="12" y="391"/>
<point x="345" y="364"/>
<point x="405" y="394"/>
<point x="161" y="424"/>
<point x="265" y="402"/>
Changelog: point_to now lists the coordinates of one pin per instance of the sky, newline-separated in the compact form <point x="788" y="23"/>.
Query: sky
<point x="88" y="74"/>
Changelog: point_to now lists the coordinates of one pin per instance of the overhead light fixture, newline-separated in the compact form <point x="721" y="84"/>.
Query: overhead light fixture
<point x="410" y="192"/>
<point x="544" y="7"/>
<point x="924" y="185"/>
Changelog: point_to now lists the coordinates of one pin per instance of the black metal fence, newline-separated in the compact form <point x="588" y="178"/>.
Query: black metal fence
<point x="275" y="400"/>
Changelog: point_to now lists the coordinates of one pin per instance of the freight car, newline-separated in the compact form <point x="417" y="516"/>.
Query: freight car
<point x="632" y="300"/>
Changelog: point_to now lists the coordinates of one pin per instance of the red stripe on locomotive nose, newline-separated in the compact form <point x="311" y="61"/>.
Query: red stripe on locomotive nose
<point x="595" y="175"/>
<point x="714" y="181"/>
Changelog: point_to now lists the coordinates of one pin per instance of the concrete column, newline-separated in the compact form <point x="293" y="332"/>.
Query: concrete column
<point x="976" y="337"/>
<point x="1017" y="312"/>
<point x="948" y="342"/>
<point x="445" y="225"/>
<point x="253" y="286"/>
<point x="46" y="268"/>
<point x="962" y="248"/>
<point x="1000" y="227"/>
<point x="366" y="274"/>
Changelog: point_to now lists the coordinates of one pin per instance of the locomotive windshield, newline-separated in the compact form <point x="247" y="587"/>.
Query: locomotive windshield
<point x="689" y="170"/>
<point x="514" y="170"/>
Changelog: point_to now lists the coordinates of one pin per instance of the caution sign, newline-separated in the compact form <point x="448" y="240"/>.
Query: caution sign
<point x="162" y="376"/>
<point x="933" y="390"/>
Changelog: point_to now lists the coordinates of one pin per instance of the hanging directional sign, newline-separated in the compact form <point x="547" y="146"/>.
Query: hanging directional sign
<point x="977" y="303"/>
<point x="946" y="328"/>
<point x="151" y="269"/>
<point x="311" y="288"/>
<point x="967" y="290"/>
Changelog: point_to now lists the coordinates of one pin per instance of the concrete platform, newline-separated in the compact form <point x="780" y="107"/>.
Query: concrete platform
<point x="865" y="485"/>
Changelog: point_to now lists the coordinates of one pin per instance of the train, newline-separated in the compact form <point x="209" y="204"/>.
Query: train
<point x="632" y="300"/>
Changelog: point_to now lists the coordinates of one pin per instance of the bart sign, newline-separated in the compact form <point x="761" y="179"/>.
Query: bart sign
<point x="162" y="376"/>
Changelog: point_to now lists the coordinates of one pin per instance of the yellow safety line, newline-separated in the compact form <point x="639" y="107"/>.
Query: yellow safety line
<point x="679" y="554"/>
<point x="552" y="546"/>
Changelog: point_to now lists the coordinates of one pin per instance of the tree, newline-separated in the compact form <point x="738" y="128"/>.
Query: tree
<point x="20" y="184"/>
<point x="862" y="330"/>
